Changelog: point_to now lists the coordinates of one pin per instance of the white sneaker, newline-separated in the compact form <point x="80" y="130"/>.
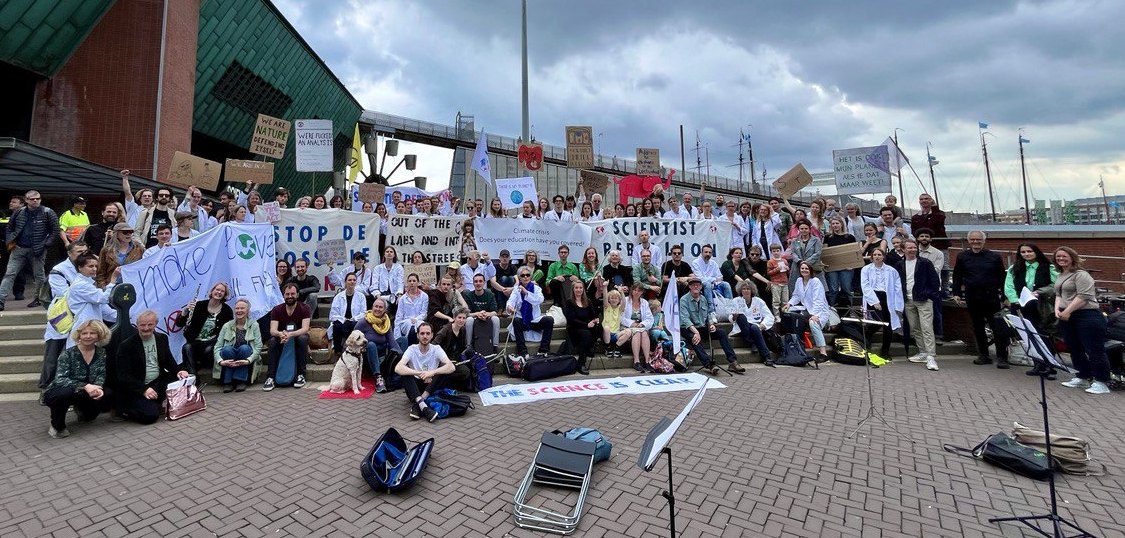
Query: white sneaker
<point x="931" y="363"/>
<point x="1076" y="383"/>
<point x="1097" y="387"/>
<point x="921" y="357"/>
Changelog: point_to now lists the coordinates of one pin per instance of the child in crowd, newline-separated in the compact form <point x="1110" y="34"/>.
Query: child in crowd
<point x="777" y="269"/>
<point x="659" y="332"/>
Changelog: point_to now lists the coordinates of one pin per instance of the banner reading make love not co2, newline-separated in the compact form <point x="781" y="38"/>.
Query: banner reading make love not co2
<point x="241" y="255"/>
<point x="622" y="234"/>
<point x="437" y="238"/>
<point x="300" y="231"/>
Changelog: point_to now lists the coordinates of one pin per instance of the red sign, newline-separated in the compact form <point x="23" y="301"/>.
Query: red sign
<point x="531" y="156"/>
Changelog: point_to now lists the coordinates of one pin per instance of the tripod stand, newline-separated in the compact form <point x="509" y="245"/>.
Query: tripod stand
<point x="872" y="411"/>
<point x="1038" y="351"/>
<point x="714" y="363"/>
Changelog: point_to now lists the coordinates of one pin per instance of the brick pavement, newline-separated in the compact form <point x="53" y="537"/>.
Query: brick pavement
<point x="764" y="457"/>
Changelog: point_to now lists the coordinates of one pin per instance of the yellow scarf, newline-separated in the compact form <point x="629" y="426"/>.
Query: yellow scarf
<point x="381" y="325"/>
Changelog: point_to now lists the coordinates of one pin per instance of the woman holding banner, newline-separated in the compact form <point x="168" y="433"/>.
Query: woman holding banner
<point x="839" y="281"/>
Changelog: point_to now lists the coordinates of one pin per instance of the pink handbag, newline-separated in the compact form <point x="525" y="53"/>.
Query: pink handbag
<point x="184" y="401"/>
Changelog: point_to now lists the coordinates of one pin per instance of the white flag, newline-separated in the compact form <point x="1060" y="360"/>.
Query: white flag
<point x="480" y="159"/>
<point x="671" y="309"/>
<point x="514" y="191"/>
<point x="897" y="159"/>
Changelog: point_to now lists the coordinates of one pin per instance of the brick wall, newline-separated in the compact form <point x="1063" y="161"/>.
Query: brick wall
<point x="178" y="98"/>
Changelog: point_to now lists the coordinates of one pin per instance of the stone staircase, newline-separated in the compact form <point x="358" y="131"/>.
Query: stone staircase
<point x="21" y="350"/>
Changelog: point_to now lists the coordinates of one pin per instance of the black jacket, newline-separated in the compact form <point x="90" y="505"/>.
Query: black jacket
<point x="198" y="316"/>
<point x="131" y="366"/>
<point x="927" y="286"/>
<point x="979" y="274"/>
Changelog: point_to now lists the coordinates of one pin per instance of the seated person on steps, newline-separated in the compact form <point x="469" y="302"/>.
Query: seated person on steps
<point x="145" y="367"/>
<point x="289" y="320"/>
<point x="527" y="318"/>
<point x="423" y="368"/>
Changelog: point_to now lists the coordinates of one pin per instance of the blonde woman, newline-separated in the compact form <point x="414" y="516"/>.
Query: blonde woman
<point x="80" y="378"/>
<point x="611" y="323"/>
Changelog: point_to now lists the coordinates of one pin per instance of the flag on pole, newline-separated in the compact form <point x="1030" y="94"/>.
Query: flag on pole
<point x="933" y="161"/>
<point x="671" y="308"/>
<point x="982" y="125"/>
<point x="896" y="158"/>
<point x="480" y="159"/>
<point x="1024" y="140"/>
<point x="355" y="162"/>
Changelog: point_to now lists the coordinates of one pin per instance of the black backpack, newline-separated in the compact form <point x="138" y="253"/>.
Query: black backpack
<point x="793" y="352"/>
<point x="458" y="403"/>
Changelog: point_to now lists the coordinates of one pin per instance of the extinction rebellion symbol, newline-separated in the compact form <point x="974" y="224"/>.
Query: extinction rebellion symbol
<point x="246" y="247"/>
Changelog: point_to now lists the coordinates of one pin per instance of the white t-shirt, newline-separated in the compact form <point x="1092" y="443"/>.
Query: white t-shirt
<point x="909" y="291"/>
<point x="424" y="361"/>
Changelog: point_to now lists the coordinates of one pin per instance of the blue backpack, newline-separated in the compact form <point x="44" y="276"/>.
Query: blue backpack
<point x="603" y="448"/>
<point x="449" y="403"/>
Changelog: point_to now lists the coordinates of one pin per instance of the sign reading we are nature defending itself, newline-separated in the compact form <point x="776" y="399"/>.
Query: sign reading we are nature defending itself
<point x="270" y="136"/>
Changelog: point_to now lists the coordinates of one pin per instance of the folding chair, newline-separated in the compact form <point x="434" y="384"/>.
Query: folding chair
<point x="558" y="462"/>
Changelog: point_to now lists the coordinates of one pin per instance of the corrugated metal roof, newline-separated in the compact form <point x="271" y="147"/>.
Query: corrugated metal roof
<point x="256" y="36"/>
<point x="40" y="35"/>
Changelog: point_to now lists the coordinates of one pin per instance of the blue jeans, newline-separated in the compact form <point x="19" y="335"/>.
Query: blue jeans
<point x="709" y="291"/>
<point x="240" y="374"/>
<point x="839" y="282"/>
<point x="1084" y="334"/>
<point x="375" y="354"/>
<point x="19" y="258"/>
<point x="753" y="335"/>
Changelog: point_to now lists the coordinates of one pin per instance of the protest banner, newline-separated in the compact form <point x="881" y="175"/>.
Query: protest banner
<point x="273" y="212"/>
<point x="300" y="231"/>
<point x="522" y="235"/>
<point x="406" y="192"/>
<point x="314" y="145"/>
<point x="437" y="238"/>
<point x="240" y="255"/>
<point x="332" y="251"/>
<point x="514" y="191"/>
<point x="648" y="162"/>
<point x="861" y="170"/>
<point x="579" y="146"/>
<point x="187" y="170"/>
<point x="260" y="172"/>
<point x="580" y="388"/>
<point x="269" y="137"/>
<point x="594" y="182"/>
<point x="793" y="181"/>
<point x="840" y="257"/>
<point x="621" y="234"/>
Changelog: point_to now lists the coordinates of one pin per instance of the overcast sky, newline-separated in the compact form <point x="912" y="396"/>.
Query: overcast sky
<point x="825" y="75"/>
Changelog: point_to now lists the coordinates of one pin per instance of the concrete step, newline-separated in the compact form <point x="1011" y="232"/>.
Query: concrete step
<point x="23" y="316"/>
<point x="14" y="383"/>
<point x="14" y="348"/>
<point x="23" y="364"/>
<point x="24" y="332"/>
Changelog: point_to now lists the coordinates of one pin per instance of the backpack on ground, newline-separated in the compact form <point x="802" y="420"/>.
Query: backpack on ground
<point x="549" y="367"/>
<point x="450" y="403"/>
<point x="793" y="352"/>
<point x="603" y="448"/>
<point x="848" y="351"/>
<point x="59" y="316"/>
<point x="480" y="371"/>
<point x="391" y="380"/>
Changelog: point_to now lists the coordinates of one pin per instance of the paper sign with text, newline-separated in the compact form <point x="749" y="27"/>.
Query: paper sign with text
<point x="332" y="251"/>
<point x="260" y="172"/>
<point x="594" y="182"/>
<point x="314" y="146"/>
<point x="648" y="162"/>
<point x="372" y="192"/>
<point x="579" y="146"/>
<point x="840" y="257"/>
<point x="269" y="137"/>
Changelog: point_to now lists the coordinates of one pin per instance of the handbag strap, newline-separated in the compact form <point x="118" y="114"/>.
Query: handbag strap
<point x="966" y="452"/>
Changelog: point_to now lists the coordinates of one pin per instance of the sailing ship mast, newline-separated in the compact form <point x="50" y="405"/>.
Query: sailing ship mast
<point x="981" y="126"/>
<point x="1023" y="170"/>
<point x="933" y="162"/>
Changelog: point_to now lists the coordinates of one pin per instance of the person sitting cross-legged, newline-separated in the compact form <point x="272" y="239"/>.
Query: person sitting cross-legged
<point x="80" y="379"/>
<point x="423" y="368"/>
<point x="754" y="320"/>
<point x="695" y="312"/>
<point x="527" y="318"/>
<point x="377" y="327"/>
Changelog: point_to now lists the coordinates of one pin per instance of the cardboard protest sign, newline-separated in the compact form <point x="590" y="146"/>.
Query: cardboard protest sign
<point x="594" y="182"/>
<point x="437" y="238"/>
<point x="862" y="170"/>
<point x="314" y="146"/>
<point x="188" y="170"/>
<point x="241" y="255"/>
<point x="579" y="146"/>
<point x="840" y="257"/>
<point x="273" y="211"/>
<point x="372" y="192"/>
<point x="521" y="235"/>
<point x="793" y="181"/>
<point x="332" y="251"/>
<point x="269" y="137"/>
<point x="648" y="162"/>
<point x="427" y="272"/>
<point x="260" y="172"/>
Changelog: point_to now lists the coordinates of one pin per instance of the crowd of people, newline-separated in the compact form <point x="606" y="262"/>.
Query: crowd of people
<point x="773" y="270"/>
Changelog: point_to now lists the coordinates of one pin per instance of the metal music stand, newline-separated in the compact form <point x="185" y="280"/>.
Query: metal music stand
<point x="872" y="411"/>
<point x="1033" y="344"/>
<point x="714" y="363"/>
<point x="656" y="443"/>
